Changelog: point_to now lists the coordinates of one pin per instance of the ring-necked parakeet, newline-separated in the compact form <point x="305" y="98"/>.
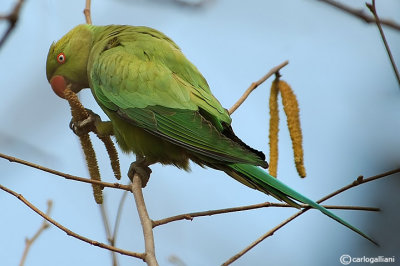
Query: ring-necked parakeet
<point x="160" y="106"/>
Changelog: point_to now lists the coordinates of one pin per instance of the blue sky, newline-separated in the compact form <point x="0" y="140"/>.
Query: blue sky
<point x="350" y="106"/>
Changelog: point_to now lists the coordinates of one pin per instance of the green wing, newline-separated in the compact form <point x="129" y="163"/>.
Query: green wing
<point x="190" y="130"/>
<point x="143" y="77"/>
<point x="149" y="67"/>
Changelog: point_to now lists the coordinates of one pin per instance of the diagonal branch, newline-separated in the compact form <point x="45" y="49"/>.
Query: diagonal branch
<point x="107" y="228"/>
<point x="254" y="85"/>
<point x="69" y="232"/>
<point x="118" y="217"/>
<point x="30" y="241"/>
<point x="360" y="180"/>
<point x="64" y="175"/>
<point x="12" y="20"/>
<point x="192" y="215"/>
<point x="372" y="8"/>
<point x="361" y="14"/>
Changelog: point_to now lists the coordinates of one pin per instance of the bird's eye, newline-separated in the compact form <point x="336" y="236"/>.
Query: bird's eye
<point x="61" y="58"/>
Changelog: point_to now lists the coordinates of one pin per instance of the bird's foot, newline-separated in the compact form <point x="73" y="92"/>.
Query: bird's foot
<point x="142" y="169"/>
<point x="86" y="125"/>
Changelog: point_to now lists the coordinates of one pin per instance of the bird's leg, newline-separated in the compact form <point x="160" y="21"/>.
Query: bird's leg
<point x="92" y="124"/>
<point x="140" y="167"/>
<point x="104" y="128"/>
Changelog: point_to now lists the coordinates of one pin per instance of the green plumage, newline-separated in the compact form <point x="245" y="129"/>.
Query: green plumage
<point x="160" y="105"/>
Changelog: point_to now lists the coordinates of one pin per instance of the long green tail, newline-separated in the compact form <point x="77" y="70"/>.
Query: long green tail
<point x="261" y="180"/>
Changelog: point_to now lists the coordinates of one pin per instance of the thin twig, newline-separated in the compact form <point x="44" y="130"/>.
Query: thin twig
<point x="190" y="216"/>
<point x="254" y="85"/>
<point x="64" y="175"/>
<point x="86" y="12"/>
<point x="372" y="8"/>
<point x="106" y="222"/>
<point x="12" y="19"/>
<point x="118" y="217"/>
<point x="29" y="242"/>
<point x="107" y="228"/>
<point x="361" y="14"/>
<point x="150" y="256"/>
<point x="358" y="181"/>
<point x="69" y="232"/>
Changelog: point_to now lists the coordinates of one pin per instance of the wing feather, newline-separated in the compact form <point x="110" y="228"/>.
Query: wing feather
<point x="147" y="81"/>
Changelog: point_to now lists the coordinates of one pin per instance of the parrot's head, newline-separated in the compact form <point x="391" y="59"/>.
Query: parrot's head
<point x="67" y="60"/>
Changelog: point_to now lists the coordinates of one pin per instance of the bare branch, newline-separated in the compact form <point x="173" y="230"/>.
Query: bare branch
<point x="361" y="14"/>
<point x="254" y="85"/>
<point x="150" y="257"/>
<point x="360" y="180"/>
<point x="66" y="176"/>
<point x="118" y="217"/>
<point x="69" y="232"/>
<point x="190" y="216"/>
<point x="12" y="20"/>
<point x="107" y="228"/>
<point x="86" y="12"/>
<point x="29" y="242"/>
<point x="372" y="8"/>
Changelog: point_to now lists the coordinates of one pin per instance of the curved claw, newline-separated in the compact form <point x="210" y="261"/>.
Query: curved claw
<point x="86" y="125"/>
<point x="141" y="168"/>
<point x="73" y="127"/>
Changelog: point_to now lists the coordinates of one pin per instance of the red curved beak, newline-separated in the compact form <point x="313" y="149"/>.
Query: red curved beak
<point x="58" y="84"/>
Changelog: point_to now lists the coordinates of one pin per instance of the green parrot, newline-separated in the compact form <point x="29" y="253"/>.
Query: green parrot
<point x="159" y="104"/>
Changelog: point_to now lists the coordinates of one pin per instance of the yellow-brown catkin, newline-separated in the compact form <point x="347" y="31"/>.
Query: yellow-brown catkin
<point x="93" y="167"/>
<point x="291" y="108"/>
<point x="273" y="129"/>
<point x="79" y="113"/>
<point x="113" y="154"/>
